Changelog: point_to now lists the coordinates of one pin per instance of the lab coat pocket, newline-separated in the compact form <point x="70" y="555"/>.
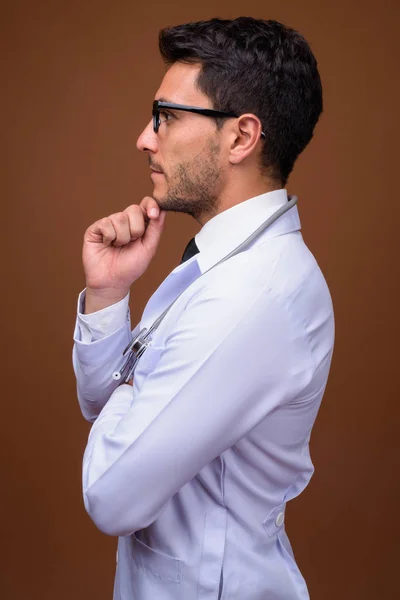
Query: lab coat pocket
<point x="155" y="574"/>
<point x="149" y="359"/>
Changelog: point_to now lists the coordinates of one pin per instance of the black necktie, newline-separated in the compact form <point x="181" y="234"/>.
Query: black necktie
<point x="190" y="250"/>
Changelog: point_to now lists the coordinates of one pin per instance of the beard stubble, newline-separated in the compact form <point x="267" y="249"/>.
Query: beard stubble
<point x="193" y="185"/>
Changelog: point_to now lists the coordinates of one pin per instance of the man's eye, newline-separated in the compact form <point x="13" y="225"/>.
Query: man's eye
<point x="165" y="116"/>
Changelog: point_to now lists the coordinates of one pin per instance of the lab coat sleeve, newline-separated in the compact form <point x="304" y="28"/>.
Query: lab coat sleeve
<point x="221" y="372"/>
<point x="102" y="323"/>
<point x="99" y="340"/>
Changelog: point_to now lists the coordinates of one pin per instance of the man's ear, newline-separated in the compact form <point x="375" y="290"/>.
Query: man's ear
<point x="247" y="131"/>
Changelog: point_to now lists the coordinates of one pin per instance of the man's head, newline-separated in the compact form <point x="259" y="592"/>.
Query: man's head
<point x="261" y="71"/>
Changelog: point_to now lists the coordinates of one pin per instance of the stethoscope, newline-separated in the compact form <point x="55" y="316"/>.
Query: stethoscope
<point x="136" y="348"/>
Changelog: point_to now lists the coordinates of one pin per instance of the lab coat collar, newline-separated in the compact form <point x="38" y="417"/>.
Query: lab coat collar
<point x="224" y="232"/>
<point x="219" y="236"/>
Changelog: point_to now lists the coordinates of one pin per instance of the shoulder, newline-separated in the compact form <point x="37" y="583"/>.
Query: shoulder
<point x="276" y="286"/>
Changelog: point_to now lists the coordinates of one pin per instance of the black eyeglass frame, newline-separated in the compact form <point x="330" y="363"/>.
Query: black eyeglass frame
<point x="206" y="112"/>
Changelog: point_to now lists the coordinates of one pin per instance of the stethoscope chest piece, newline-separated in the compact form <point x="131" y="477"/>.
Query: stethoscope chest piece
<point x="135" y="349"/>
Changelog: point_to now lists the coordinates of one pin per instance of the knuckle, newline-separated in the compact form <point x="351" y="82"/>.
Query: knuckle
<point x="119" y="224"/>
<point x="133" y="209"/>
<point x="118" y="218"/>
<point x="103" y="223"/>
<point x="135" y="218"/>
<point x="136" y="232"/>
<point x="148" y="203"/>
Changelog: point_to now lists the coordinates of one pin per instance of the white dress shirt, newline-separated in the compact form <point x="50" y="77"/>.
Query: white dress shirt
<point x="192" y="467"/>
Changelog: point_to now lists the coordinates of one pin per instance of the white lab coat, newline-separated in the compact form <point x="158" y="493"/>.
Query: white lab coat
<point x="193" y="466"/>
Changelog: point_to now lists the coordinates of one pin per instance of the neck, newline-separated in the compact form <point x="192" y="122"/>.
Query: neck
<point x="237" y="192"/>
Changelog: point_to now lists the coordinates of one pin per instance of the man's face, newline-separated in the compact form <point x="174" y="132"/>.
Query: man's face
<point x="185" y="153"/>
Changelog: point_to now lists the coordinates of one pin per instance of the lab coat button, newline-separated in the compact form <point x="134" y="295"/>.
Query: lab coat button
<point x="279" y="519"/>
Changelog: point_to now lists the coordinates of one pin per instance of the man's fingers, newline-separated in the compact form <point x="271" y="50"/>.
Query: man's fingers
<point x="150" y="208"/>
<point x="154" y="219"/>
<point x="153" y="232"/>
<point x="136" y="222"/>
<point x="144" y="220"/>
<point x="101" y="232"/>
<point x="121" y="225"/>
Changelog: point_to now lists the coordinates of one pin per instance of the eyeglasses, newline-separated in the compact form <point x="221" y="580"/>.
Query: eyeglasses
<point x="206" y="112"/>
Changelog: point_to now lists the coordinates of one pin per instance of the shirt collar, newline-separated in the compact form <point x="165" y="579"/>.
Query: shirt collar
<point x="221" y="234"/>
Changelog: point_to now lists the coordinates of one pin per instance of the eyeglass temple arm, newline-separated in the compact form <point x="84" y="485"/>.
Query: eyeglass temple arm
<point x="208" y="112"/>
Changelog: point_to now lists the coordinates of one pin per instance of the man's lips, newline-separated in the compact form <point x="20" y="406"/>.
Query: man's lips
<point x="154" y="172"/>
<point x="154" y="169"/>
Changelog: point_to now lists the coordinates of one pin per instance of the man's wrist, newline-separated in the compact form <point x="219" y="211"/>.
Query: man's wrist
<point x="98" y="299"/>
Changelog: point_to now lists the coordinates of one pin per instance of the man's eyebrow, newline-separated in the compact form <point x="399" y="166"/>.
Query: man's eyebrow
<point x="162" y="99"/>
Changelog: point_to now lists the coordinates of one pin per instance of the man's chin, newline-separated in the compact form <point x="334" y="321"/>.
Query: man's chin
<point x="161" y="200"/>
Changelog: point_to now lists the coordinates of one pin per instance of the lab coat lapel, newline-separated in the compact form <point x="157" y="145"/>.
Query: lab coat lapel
<point x="183" y="275"/>
<point x="174" y="284"/>
<point x="287" y="223"/>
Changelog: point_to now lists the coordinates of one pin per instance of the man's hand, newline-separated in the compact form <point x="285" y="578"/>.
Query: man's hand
<point x="118" y="249"/>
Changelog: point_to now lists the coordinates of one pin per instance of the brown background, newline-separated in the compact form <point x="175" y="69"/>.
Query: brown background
<point x="77" y="83"/>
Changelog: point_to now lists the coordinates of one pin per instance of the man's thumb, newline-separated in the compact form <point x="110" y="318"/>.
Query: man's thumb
<point x="152" y="235"/>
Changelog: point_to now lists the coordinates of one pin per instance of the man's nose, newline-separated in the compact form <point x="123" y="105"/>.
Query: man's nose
<point x="147" y="140"/>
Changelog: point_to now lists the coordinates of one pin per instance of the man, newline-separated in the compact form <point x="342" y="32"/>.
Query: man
<point x="193" y="466"/>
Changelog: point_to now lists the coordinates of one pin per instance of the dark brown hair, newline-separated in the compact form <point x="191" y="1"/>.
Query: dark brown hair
<point x="256" y="66"/>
